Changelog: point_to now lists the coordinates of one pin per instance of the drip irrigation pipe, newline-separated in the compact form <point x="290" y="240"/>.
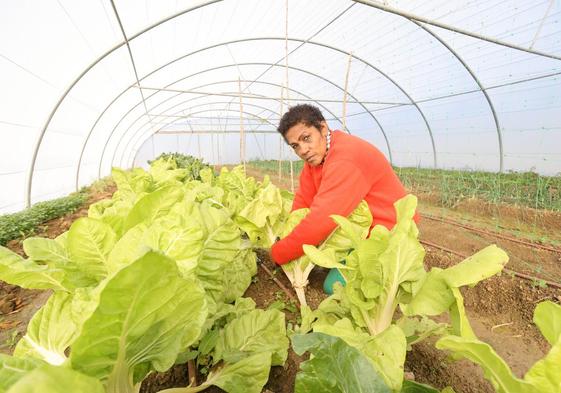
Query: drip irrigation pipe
<point x="495" y="234"/>
<point x="517" y="274"/>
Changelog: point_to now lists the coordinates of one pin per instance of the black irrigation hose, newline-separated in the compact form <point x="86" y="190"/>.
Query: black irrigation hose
<point x="495" y="234"/>
<point x="517" y="274"/>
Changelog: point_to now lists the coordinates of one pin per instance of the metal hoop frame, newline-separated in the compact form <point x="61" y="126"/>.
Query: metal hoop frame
<point x="408" y="16"/>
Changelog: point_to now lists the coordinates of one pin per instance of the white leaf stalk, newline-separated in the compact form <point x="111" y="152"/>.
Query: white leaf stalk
<point x="336" y="245"/>
<point x="297" y="273"/>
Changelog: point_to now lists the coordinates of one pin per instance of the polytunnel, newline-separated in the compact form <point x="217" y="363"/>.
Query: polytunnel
<point x="88" y="86"/>
<point x="280" y="196"/>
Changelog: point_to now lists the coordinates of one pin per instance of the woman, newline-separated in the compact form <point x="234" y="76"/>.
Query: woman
<point x="340" y="170"/>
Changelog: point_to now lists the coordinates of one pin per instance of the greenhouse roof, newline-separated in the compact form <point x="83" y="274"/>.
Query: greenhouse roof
<point x="91" y="85"/>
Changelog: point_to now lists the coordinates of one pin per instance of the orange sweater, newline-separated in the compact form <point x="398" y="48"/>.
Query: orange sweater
<point x="353" y="170"/>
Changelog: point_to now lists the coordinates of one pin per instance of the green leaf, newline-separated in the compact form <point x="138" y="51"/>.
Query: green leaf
<point x="544" y="374"/>
<point x="46" y="250"/>
<point x="51" y="379"/>
<point x="481" y="265"/>
<point x="27" y="274"/>
<point x="54" y="252"/>
<point x="255" y="332"/>
<point x="128" y="249"/>
<point x="132" y="182"/>
<point x="13" y="369"/>
<point x="206" y="175"/>
<point x="387" y="351"/>
<point x="347" y="229"/>
<point x="325" y="258"/>
<point x="417" y="329"/>
<point x="355" y="227"/>
<point x="458" y="317"/>
<point x="179" y="239"/>
<point x="247" y="375"/>
<point x="401" y="264"/>
<point x="547" y="316"/>
<point x="222" y="242"/>
<point x="147" y="314"/>
<point x="494" y="368"/>
<point x="152" y="206"/>
<point x="334" y="367"/>
<point x="405" y="211"/>
<point x="293" y="219"/>
<point x="89" y="243"/>
<point x="238" y="273"/>
<point x="265" y="207"/>
<point x="433" y="298"/>
<point x="113" y="212"/>
<point x="51" y="331"/>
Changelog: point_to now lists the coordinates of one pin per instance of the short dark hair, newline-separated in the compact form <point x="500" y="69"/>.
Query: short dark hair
<point x="307" y="114"/>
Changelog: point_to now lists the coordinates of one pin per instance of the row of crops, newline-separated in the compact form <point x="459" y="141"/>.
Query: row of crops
<point x="452" y="186"/>
<point x="156" y="275"/>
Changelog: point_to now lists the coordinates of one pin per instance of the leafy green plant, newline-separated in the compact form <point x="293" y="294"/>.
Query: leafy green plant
<point x="543" y="376"/>
<point x="141" y="282"/>
<point x="385" y="272"/>
<point x="267" y="217"/>
<point x="24" y="223"/>
<point x="338" y="367"/>
<point x="452" y="186"/>
<point x="190" y="164"/>
<point x="334" y="367"/>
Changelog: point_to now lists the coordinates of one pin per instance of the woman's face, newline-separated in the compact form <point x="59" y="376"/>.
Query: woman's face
<point x="309" y="143"/>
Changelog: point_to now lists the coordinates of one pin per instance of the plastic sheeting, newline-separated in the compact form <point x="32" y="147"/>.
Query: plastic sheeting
<point x="441" y="84"/>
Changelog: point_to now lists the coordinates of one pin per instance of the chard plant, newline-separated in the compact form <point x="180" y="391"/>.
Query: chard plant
<point x="385" y="272"/>
<point x="137" y="285"/>
<point x="267" y="218"/>
<point x="543" y="376"/>
<point x="337" y="245"/>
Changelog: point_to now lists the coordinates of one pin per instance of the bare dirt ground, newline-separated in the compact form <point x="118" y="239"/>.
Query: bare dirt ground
<point x="500" y="309"/>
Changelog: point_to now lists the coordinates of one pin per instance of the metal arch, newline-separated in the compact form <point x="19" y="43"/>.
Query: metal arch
<point x="146" y="76"/>
<point x="212" y="103"/>
<point x="468" y="69"/>
<point x="141" y="134"/>
<point x="264" y="108"/>
<point x="207" y="110"/>
<point x="209" y="84"/>
<point x="454" y="29"/>
<point x="340" y="51"/>
<point x="191" y="99"/>
<point x="382" y="73"/>
<point x="187" y="116"/>
<point x="255" y="39"/>
<point x="122" y="118"/>
<point x="302" y="70"/>
<point x="210" y="69"/>
<point x="417" y="20"/>
<point x="201" y="5"/>
<point x="122" y="136"/>
<point x="78" y="78"/>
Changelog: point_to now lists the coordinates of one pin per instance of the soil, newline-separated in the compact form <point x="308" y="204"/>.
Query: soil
<point x="499" y="309"/>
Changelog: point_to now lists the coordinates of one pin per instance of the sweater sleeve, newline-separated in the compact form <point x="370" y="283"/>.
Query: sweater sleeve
<point x="306" y="190"/>
<point x="342" y="188"/>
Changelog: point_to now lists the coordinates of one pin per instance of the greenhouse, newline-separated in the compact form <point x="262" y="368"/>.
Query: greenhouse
<point x="280" y="196"/>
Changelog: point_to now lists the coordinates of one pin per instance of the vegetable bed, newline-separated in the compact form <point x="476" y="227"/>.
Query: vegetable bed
<point x="155" y="277"/>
